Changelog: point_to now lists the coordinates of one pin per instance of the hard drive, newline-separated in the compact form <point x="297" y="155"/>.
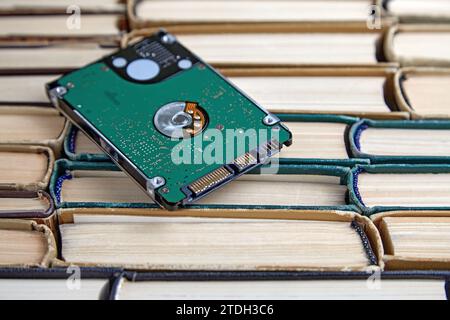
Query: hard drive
<point x="168" y="119"/>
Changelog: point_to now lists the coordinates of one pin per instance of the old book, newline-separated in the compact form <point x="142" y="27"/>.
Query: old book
<point x="25" y="204"/>
<point x="404" y="139"/>
<point x="25" y="243"/>
<point x="157" y="12"/>
<point x="306" y="289"/>
<point x="241" y="45"/>
<point x="405" y="189"/>
<point x="41" y="26"/>
<point x="217" y="244"/>
<point x="317" y="94"/>
<point x="25" y="167"/>
<point x="417" y="242"/>
<point x="28" y="125"/>
<point x="417" y="10"/>
<point x="24" y="89"/>
<point x="60" y="6"/>
<point x="426" y="92"/>
<point x="56" y="56"/>
<point x="284" y="48"/>
<point x="51" y="289"/>
<point x="434" y="49"/>
<point x="253" y="190"/>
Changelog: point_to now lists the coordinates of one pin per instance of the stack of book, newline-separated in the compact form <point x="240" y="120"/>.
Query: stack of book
<point x="363" y="193"/>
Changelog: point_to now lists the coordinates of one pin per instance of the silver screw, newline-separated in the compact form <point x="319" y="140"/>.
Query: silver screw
<point x="165" y="190"/>
<point x="158" y="182"/>
<point x="269" y="120"/>
<point x="168" y="38"/>
<point x="60" y="91"/>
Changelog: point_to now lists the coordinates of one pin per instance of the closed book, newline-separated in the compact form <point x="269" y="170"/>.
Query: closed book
<point x="424" y="141"/>
<point x="32" y="125"/>
<point x="418" y="45"/>
<point x="8" y="7"/>
<point x="26" y="244"/>
<point x="146" y="13"/>
<point x="100" y="184"/>
<point x="26" y="205"/>
<point x="56" y="283"/>
<point x="281" y="286"/>
<point x="391" y="187"/>
<point x="423" y="92"/>
<point x="416" y="240"/>
<point x="361" y="92"/>
<point x="51" y="56"/>
<point x="115" y="284"/>
<point x="237" y="45"/>
<point x="21" y="88"/>
<point x="74" y="25"/>
<point x="418" y="10"/>
<point x="323" y="241"/>
<point x="25" y="167"/>
<point x="37" y="206"/>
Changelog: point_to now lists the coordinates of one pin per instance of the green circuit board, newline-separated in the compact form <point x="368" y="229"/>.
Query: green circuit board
<point x="124" y="112"/>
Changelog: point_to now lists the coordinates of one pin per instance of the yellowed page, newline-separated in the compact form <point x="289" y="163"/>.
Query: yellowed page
<point x="252" y="11"/>
<point x="407" y="190"/>
<point x="316" y="140"/>
<point x="284" y="48"/>
<point x="54" y="57"/>
<point x="101" y="25"/>
<point x="22" y="126"/>
<point x="221" y="246"/>
<point x="428" y="95"/>
<point x="29" y="88"/>
<point x="316" y="94"/>
<point x="22" y="167"/>
<point x="419" y="237"/>
<point x="23" y="204"/>
<point x="22" y="247"/>
<point x="405" y="142"/>
<point x="422" y="45"/>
